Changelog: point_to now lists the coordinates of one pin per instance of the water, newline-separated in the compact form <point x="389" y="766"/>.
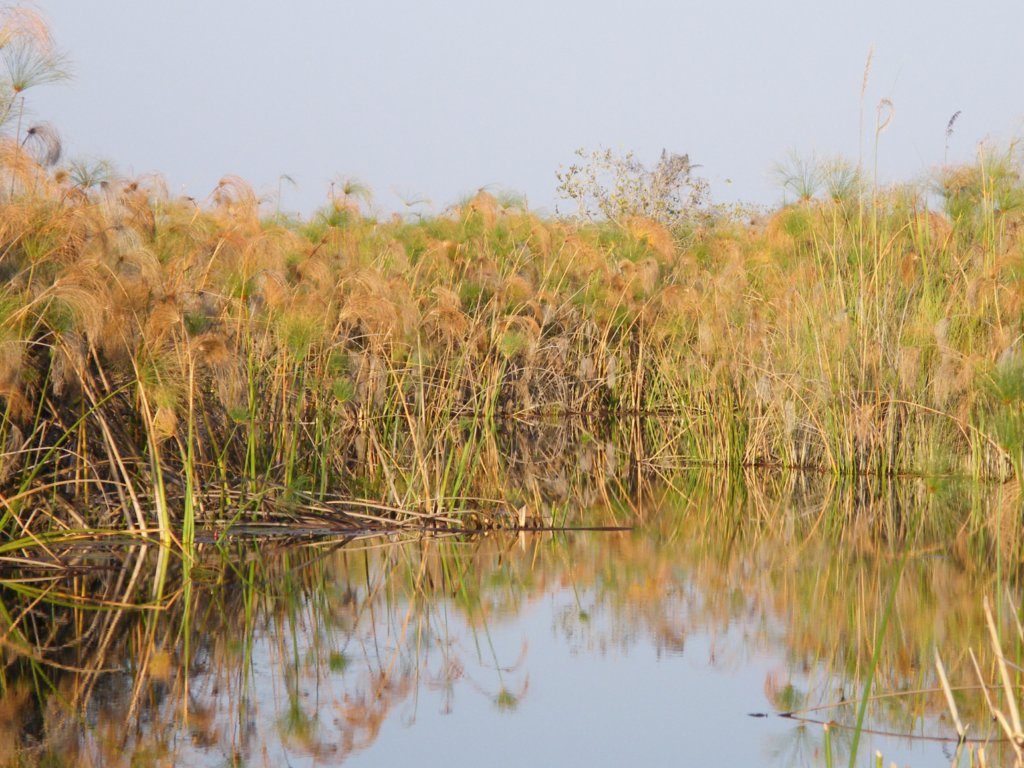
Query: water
<point x="732" y="597"/>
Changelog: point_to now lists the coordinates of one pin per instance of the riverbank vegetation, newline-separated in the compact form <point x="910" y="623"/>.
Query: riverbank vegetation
<point x="166" y="360"/>
<point x="170" y="364"/>
<point x="227" y="430"/>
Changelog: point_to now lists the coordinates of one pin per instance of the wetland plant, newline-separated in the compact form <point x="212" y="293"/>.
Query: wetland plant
<point x="167" y="364"/>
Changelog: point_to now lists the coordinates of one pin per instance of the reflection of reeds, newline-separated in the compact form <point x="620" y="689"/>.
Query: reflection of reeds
<point x="755" y="562"/>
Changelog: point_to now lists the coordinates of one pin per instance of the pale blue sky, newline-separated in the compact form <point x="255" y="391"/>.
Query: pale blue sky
<point x="443" y="98"/>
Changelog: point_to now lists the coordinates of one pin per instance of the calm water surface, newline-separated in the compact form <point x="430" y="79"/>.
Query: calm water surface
<point x="732" y="597"/>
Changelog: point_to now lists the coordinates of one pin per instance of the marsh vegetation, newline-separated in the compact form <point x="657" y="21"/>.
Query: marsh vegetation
<point x="168" y="363"/>
<point x="239" y="449"/>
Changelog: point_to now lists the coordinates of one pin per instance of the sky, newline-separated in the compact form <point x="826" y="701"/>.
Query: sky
<point x="437" y="100"/>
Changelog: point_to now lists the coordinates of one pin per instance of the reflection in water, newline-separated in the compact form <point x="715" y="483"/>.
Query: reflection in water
<point x="265" y="654"/>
